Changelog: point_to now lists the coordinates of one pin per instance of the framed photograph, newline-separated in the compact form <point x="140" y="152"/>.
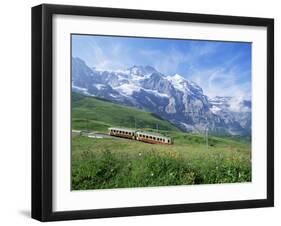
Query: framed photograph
<point x="145" y="112"/>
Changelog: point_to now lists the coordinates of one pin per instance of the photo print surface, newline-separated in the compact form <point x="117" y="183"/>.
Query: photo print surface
<point x="152" y="112"/>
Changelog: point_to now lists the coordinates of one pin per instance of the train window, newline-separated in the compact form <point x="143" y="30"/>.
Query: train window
<point x="153" y="138"/>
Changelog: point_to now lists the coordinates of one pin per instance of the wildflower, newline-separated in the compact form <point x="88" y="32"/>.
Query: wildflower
<point x="152" y="174"/>
<point x="140" y="154"/>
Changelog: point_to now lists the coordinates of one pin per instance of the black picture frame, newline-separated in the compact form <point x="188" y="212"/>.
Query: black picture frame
<point x="42" y="107"/>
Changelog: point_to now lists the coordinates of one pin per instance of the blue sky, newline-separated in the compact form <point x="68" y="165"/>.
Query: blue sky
<point x="220" y="68"/>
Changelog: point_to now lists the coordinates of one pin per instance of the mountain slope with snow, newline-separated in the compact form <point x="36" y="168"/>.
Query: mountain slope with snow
<point x="171" y="97"/>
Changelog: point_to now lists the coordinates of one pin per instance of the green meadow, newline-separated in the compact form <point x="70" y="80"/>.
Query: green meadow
<point x="102" y="163"/>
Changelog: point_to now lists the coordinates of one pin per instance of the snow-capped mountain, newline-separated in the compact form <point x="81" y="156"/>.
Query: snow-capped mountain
<point x="232" y="109"/>
<point x="171" y="97"/>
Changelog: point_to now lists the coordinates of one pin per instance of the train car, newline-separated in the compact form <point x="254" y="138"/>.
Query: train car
<point x="122" y="132"/>
<point x="144" y="136"/>
<point x="153" y="138"/>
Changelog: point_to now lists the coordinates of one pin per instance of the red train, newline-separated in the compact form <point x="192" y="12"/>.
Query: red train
<point x="148" y="137"/>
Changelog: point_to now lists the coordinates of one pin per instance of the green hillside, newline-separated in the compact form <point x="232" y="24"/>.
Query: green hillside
<point x="98" y="114"/>
<point x="110" y="162"/>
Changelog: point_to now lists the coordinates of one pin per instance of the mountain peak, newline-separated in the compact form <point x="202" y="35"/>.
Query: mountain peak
<point x="179" y="77"/>
<point x="142" y="70"/>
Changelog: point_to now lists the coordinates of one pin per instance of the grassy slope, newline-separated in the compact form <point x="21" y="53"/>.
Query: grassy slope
<point x="111" y="163"/>
<point x="97" y="114"/>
